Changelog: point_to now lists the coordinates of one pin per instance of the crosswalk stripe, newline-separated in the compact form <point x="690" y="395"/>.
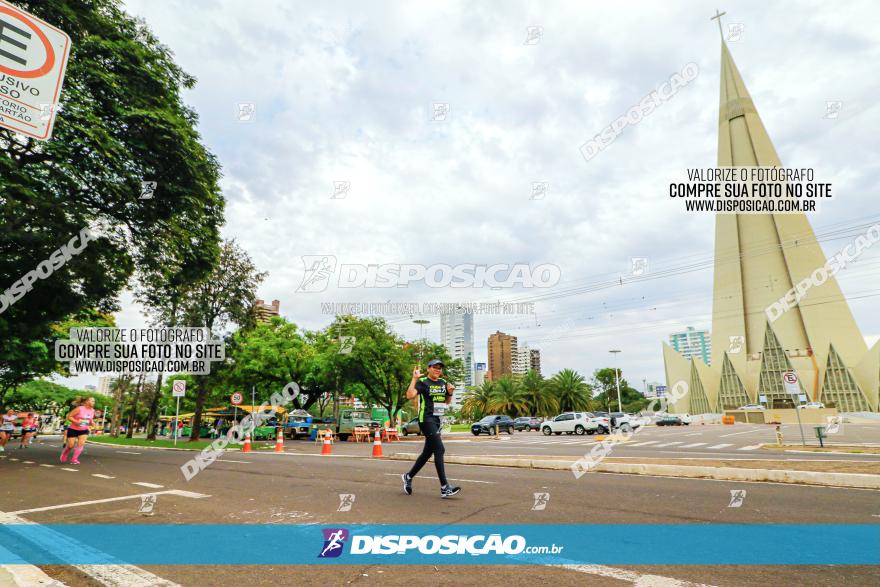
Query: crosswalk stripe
<point x="719" y="446"/>
<point x="752" y="447"/>
<point x="692" y="445"/>
<point x="668" y="444"/>
<point x="645" y="443"/>
<point x="145" y="484"/>
<point x="69" y="469"/>
<point x="99" y="475"/>
<point x="45" y="465"/>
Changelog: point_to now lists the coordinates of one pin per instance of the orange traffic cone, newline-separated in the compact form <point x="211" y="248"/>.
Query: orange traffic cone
<point x="377" y="446"/>
<point x="247" y="442"/>
<point x="279" y="441"/>
<point x="326" y="448"/>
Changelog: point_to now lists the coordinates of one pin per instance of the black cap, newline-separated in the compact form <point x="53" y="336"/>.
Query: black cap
<point x="435" y="362"/>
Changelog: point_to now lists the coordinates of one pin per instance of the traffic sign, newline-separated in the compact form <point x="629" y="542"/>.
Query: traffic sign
<point x="33" y="59"/>
<point x="236" y="398"/>
<point x="178" y="388"/>
<point x="790" y="381"/>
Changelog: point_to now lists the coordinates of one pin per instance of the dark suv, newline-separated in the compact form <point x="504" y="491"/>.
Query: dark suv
<point x="527" y="423"/>
<point x="487" y="425"/>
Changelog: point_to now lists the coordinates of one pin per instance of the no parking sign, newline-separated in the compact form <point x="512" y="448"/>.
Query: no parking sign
<point x="33" y="59"/>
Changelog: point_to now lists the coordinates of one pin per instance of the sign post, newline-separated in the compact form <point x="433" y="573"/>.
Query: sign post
<point x="33" y="59"/>
<point x="793" y="388"/>
<point x="178" y="390"/>
<point x="235" y="399"/>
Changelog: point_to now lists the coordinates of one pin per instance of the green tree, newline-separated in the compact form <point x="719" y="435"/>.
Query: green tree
<point x="375" y="364"/>
<point x="508" y="397"/>
<point x="268" y="357"/>
<point x="122" y="121"/>
<point x="604" y="383"/>
<point x="225" y="295"/>
<point x="571" y="391"/>
<point x="538" y="395"/>
<point x="477" y="401"/>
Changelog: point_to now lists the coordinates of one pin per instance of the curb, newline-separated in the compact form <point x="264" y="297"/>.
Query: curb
<point x="156" y="447"/>
<point x="854" y="480"/>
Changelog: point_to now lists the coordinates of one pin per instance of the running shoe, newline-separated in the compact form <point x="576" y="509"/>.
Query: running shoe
<point x="407" y="483"/>
<point x="2" y="449"/>
<point x="74" y="462"/>
<point x="449" y="491"/>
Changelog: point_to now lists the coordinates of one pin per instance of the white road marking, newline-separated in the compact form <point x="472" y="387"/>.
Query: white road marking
<point x="68" y="469"/>
<point x="717" y="446"/>
<point x="626" y="575"/>
<point x="231" y="461"/>
<point x="448" y="479"/>
<point x="27" y="462"/>
<point x="100" y="476"/>
<point x="668" y="444"/>
<point x="750" y="447"/>
<point x="150" y="485"/>
<point x="50" y="466"/>
<point x="692" y="445"/>
<point x="123" y="452"/>
<point x="744" y="432"/>
<point x="110" y="575"/>
<point x="646" y="443"/>
<point x="12" y="459"/>
<point x="694" y="434"/>
<point x="177" y="492"/>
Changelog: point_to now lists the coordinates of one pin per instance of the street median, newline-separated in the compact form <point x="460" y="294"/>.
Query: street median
<point x="802" y="477"/>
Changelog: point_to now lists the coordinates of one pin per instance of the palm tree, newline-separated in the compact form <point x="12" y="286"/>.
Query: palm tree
<point x="571" y="391"/>
<point x="538" y="395"/>
<point x="476" y="401"/>
<point x="508" y="397"/>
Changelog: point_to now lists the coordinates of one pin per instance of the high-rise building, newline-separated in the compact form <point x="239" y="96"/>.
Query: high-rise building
<point x="457" y="336"/>
<point x="479" y="374"/>
<point x="535" y="360"/>
<point x="105" y="385"/>
<point x="502" y="354"/>
<point x="758" y="260"/>
<point x="523" y="360"/>
<point x="266" y="311"/>
<point x="692" y="343"/>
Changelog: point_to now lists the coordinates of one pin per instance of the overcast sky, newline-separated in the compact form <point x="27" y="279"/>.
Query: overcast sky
<point x="344" y="92"/>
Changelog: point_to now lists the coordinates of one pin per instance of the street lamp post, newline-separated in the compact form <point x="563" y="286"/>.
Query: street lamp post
<point x="421" y="322"/>
<point x="617" y="379"/>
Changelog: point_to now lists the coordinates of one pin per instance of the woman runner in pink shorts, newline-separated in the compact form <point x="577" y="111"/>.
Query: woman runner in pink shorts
<point x="81" y="419"/>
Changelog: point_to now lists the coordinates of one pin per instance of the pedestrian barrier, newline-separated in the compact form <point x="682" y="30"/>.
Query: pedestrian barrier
<point x="327" y="447"/>
<point x="279" y="441"/>
<point x="247" y="442"/>
<point x="377" y="446"/>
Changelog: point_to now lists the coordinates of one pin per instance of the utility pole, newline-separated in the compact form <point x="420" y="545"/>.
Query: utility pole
<point x="617" y="379"/>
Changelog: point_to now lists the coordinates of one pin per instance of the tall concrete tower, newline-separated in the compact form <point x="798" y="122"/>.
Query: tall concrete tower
<point x="758" y="258"/>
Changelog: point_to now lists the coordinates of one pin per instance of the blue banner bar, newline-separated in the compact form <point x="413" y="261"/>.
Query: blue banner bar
<point x="635" y="544"/>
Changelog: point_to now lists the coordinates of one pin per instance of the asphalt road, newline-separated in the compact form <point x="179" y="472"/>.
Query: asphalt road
<point x="301" y="487"/>
<point x="741" y="441"/>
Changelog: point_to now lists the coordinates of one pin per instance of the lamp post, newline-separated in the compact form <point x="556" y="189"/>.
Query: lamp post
<point x="421" y="322"/>
<point x="617" y="379"/>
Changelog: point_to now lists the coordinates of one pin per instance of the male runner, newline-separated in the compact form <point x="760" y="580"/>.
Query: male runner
<point x="433" y="395"/>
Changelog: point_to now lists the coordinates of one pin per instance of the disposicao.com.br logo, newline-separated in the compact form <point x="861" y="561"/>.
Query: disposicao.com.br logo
<point x="452" y="544"/>
<point x="319" y="271"/>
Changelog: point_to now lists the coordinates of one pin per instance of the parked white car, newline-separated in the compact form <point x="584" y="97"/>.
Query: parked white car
<point x="570" y="423"/>
<point x="811" y="406"/>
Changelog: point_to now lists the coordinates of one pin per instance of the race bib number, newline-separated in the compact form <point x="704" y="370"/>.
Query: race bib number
<point x="84" y="422"/>
<point x="440" y="408"/>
